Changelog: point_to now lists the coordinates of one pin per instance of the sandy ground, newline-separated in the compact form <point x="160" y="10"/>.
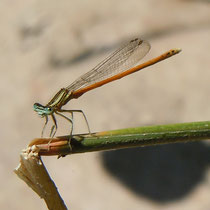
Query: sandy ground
<point x="46" y="45"/>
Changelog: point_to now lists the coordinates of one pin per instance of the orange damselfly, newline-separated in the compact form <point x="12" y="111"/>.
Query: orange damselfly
<point x="114" y="67"/>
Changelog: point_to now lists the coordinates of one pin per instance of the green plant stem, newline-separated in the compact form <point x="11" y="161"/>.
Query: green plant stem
<point x="124" y="138"/>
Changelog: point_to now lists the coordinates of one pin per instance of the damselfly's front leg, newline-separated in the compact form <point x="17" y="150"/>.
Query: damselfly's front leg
<point x="43" y="129"/>
<point x="52" y="132"/>
<point x="54" y="127"/>
<point x="71" y="131"/>
<point x="75" y="110"/>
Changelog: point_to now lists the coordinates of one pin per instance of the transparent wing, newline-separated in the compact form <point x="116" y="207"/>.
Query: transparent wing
<point x="119" y="61"/>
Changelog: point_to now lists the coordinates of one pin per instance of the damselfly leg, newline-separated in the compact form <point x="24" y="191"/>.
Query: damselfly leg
<point x="54" y="127"/>
<point x="68" y="119"/>
<point x="45" y="124"/>
<point x="80" y="111"/>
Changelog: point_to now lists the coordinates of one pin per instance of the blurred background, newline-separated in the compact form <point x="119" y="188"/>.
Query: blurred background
<point x="46" y="45"/>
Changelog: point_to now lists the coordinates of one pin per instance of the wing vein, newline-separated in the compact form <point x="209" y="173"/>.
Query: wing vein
<point x="119" y="61"/>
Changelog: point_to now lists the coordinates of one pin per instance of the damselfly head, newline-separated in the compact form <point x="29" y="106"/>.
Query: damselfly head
<point x="42" y="110"/>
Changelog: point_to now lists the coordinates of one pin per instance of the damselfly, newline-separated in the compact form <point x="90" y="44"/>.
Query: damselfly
<point x="114" y="67"/>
